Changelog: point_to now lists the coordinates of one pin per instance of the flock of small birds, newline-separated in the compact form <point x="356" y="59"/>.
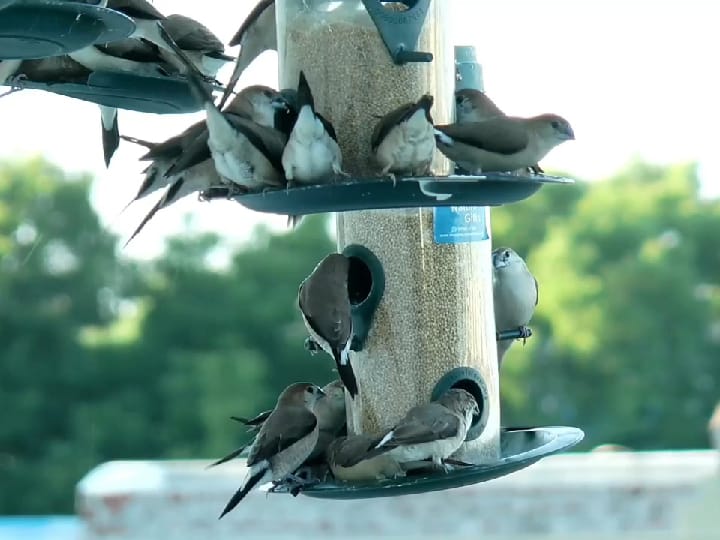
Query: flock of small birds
<point x="264" y="138"/>
<point x="304" y="439"/>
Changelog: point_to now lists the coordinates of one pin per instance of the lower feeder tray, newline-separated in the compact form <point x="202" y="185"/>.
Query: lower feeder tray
<point x="161" y="95"/>
<point x="491" y="189"/>
<point x="520" y="448"/>
<point x="41" y="28"/>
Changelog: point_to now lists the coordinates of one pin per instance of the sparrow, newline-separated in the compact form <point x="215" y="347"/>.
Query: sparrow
<point x="203" y="48"/>
<point x="433" y="430"/>
<point x="256" y="35"/>
<point x="324" y="304"/>
<point x="329" y="411"/>
<point x="475" y="106"/>
<point x="352" y="458"/>
<point x="247" y="154"/>
<point x="515" y="295"/>
<point x="403" y="141"/>
<point x="502" y="143"/>
<point x="312" y="154"/>
<point x="54" y="69"/>
<point x="284" y="441"/>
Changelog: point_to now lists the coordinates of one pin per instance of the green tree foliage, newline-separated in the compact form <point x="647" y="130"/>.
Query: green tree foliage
<point x="105" y="359"/>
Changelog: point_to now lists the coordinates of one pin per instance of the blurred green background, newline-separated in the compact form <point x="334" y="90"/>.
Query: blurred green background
<point x="103" y="358"/>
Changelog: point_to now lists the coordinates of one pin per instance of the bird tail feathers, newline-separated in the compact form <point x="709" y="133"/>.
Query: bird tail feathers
<point x="253" y="479"/>
<point x="442" y="138"/>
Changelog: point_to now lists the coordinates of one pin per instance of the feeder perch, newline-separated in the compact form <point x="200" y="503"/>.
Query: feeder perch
<point x="519" y="448"/>
<point x="160" y="95"/>
<point x="41" y="28"/>
<point x="420" y="279"/>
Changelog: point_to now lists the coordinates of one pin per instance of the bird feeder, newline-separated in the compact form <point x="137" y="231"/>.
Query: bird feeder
<point x="421" y="275"/>
<point x="34" y="29"/>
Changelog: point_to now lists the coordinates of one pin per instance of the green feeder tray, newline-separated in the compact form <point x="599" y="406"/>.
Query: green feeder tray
<point x="520" y="448"/>
<point x="492" y="189"/>
<point x="160" y="95"/>
<point x="42" y="28"/>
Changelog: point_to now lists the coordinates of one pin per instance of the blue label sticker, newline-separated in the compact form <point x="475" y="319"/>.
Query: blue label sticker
<point x="460" y="224"/>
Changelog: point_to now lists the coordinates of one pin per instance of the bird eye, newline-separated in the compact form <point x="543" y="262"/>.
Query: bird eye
<point x="555" y="124"/>
<point x="309" y="389"/>
<point x="506" y="254"/>
<point x="268" y="93"/>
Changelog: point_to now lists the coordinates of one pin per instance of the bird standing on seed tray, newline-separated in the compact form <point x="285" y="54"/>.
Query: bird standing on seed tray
<point x="515" y="295"/>
<point x="324" y="304"/>
<point x="502" y="143"/>
<point x="330" y="414"/>
<point x="284" y="441"/>
<point x="185" y="161"/>
<point x="403" y="141"/>
<point x="432" y="431"/>
<point x="354" y="458"/>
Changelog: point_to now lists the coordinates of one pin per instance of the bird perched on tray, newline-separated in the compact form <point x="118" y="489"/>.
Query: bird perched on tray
<point x="475" y="106"/>
<point x="256" y="35"/>
<point x="502" y="143"/>
<point x="354" y="458"/>
<point x="330" y="413"/>
<point x="433" y="430"/>
<point x="403" y="141"/>
<point x="515" y="295"/>
<point x="312" y="154"/>
<point x="185" y="161"/>
<point x="284" y="441"/>
<point x="324" y="304"/>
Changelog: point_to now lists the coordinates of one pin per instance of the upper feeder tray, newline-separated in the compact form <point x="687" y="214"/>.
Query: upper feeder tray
<point x="41" y="28"/>
<point x="160" y="95"/>
<point x="520" y="448"/>
<point x="490" y="189"/>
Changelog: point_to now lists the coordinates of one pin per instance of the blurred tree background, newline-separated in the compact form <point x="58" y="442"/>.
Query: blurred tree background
<point x="101" y="358"/>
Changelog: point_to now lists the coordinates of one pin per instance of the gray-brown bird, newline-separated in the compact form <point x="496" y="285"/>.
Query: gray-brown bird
<point x="354" y="459"/>
<point x="329" y="411"/>
<point x="433" y="430"/>
<point x="324" y="304"/>
<point x="403" y="141"/>
<point x="247" y="155"/>
<point x="312" y="154"/>
<point x="256" y="35"/>
<point x="515" y="295"/>
<point x="502" y="143"/>
<point x="475" y="106"/>
<point x="284" y="442"/>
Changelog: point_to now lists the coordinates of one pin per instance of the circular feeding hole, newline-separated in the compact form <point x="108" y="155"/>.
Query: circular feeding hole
<point x="360" y="281"/>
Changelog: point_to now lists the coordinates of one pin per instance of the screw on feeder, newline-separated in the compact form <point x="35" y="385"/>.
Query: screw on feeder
<point x="400" y="30"/>
<point x="517" y="333"/>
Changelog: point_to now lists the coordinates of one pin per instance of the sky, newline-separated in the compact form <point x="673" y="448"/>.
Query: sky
<point x="634" y="77"/>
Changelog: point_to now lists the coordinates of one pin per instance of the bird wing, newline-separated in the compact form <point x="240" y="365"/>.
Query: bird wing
<point x="250" y="20"/>
<point x="425" y="423"/>
<point x="327" y="311"/>
<point x="270" y="142"/>
<point x="191" y="35"/>
<point x="175" y="146"/>
<point x="284" y="427"/>
<point x="389" y="121"/>
<point x="349" y="451"/>
<point x="256" y="421"/>
<point x="501" y="135"/>
<point x="191" y="153"/>
<point x="137" y="50"/>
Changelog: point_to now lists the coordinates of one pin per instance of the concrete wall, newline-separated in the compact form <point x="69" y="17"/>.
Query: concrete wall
<point x="661" y="495"/>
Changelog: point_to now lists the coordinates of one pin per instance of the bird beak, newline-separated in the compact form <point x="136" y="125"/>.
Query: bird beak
<point x="279" y="103"/>
<point x="322" y="392"/>
<point x="570" y="134"/>
<point x="498" y="261"/>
